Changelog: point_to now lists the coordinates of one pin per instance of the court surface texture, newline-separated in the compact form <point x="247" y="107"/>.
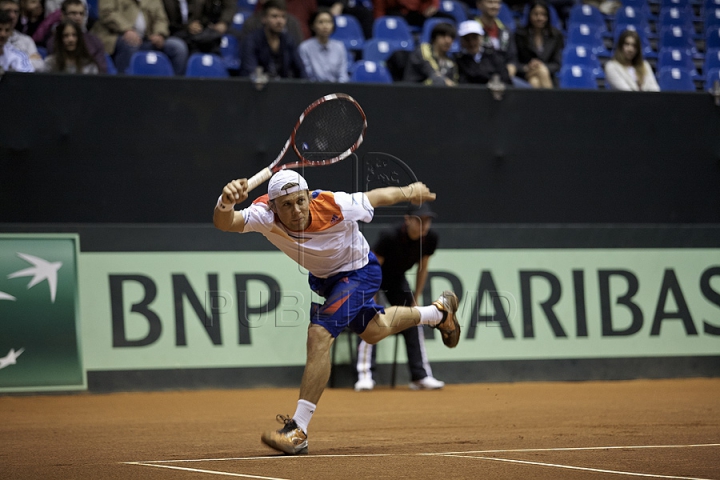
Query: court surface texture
<point x="580" y="430"/>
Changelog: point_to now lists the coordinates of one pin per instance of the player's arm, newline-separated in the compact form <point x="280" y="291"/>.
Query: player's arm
<point x="416" y="193"/>
<point x="422" y="273"/>
<point x="225" y="217"/>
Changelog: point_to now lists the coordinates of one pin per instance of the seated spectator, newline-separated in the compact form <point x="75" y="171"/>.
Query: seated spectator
<point x="126" y="26"/>
<point x="71" y="55"/>
<point x="356" y="8"/>
<point x="11" y="59"/>
<point x="76" y="11"/>
<point x="497" y="35"/>
<point x="325" y="59"/>
<point x="415" y="12"/>
<point x="270" y="49"/>
<point x="255" y="23"/>
<point x="431" y="63"/>
<point x="539" y="47"/>
<point x="31" y="15"/>
<point x="200" y="23"/>
<point x="627" y="70"/>
<point x="478" y="61"/>
<point x="19" y="40"/>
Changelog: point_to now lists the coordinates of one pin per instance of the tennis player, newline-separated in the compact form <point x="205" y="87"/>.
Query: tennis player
<point x="319" y="231"/>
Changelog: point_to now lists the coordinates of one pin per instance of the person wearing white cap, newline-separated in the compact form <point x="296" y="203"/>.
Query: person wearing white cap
<point x="477" y="63"/>
<point x="319" y="231"/>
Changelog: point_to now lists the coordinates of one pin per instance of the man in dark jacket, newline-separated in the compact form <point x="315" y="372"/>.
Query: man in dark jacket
<point x="477" y="63"/>
<point x="200" y="23"/>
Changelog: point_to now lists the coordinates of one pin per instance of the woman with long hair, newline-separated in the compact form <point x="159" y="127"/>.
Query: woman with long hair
<point x="71" y="54"/>
<point x="627" y="70"/>
<point x="539" y="47"/>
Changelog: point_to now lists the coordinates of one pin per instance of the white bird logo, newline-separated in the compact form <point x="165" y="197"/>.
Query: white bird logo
<point x="41" y="270"/>
<point x="6" y="296"/>
<point x="10" y="358"/>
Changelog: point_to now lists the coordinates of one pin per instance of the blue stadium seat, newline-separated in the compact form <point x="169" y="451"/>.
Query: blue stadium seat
<point x="428" y="27"/>
<point x="246" y="5"/>
<point x="150" y="63"/>
<point x="627" y="15"/>
<point x="582" y="34"/>
<point x="349" y="31"/>
<point x="238" y="20"/>
<point x="506" y="17"/>
<point x="589" y="15"/>
<point x="712" y="38"/>
<point x="675" y="80"/>
<point x="582" y="56"/>
<point x="712" y="59"/>
<point x="710" y="4"/>
<point x="206" y="65"/>
<point x="111" y="70"/>
<point x="678" y="38"/>
<point x="92" y="9"/>
<point x="365" y="71"/>
<point x="712" y="76"/>
<point x="394" y="29"/>
<point x="682" y="4"/>
<point x="378" y="51"/>
<point x="230" y="52"/>
<point x="455" y="8"/>
<point x="577" y="77"/>
<point x="677" y="58"/>
<point x="712" y="18"/>
<point x="675" y="17"/>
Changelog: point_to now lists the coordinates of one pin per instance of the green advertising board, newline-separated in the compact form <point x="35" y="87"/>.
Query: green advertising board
<point x="39" y="324"/>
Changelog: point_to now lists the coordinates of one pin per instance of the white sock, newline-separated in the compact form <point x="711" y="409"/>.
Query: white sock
<point x="303" y="414"/>
<point x="429" y="315"/>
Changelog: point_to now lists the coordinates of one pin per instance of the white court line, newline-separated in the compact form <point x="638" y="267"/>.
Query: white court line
<point x="272" y="457"/>
<point x="570" y="449"/>
<point x="200" y="470"/>
<point x="571" y="467"/>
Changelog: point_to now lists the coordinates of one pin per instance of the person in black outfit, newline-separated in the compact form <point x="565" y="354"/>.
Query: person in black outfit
<point x="478" y="61"/>
<point x="539" y="47"/>
<point x="397" y="251"/>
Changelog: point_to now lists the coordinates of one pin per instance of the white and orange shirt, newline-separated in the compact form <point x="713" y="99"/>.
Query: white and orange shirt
<point x="331" y="244"/>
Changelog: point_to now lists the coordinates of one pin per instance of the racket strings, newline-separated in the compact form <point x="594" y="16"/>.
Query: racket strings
<point x="329" y="130"/>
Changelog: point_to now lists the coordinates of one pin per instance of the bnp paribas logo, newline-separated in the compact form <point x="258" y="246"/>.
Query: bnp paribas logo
<point x="39" y="348"/>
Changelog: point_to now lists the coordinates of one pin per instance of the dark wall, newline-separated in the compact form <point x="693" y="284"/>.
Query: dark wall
<point x="119" y="149"/>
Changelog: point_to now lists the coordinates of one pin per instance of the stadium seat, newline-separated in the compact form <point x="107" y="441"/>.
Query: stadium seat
<point x="678" y="38"/>
<point x="246" y="5"/>
<point x="506" y="17"/>
<point x="588" y="15"/>
<point x="712" y="38"/>
<point x="378" y="51"/>
<point x="627" y="15"/>
<point x="111" y="70"/>
<point x="577" y="77"/>
<point x="394" y="29"/>
<point x="583" y="34"/>
<point x="681" y="4"/>
<point x="583" y="56"/>
<point x="206" y="65"/>
<point x="675" y="17"/>
<point x="238" y="20"/>
<point x="677" y="58"/>
<point x="710" y="4"/>
<point x="349" y="31"/>
<point x="712" y="18"/>
<point x="230" y="52"/>
<point x="712" y="59"/>
<point x="150" y="63"/>
<point x="712" y="76"/>
<point x="675" y="80"/>
<point x="428" y="27"/>
<point x="365" y="71"/>
<point x="454" y="8"/>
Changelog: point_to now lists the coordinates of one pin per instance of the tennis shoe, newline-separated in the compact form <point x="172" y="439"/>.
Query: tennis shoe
<point x="290" y="439"/>
<point x="427" y="383"/>
<point x="449" y="326"/>
<point x="364" y="385"/>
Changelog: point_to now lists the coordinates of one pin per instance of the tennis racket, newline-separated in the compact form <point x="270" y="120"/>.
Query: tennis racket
<point x="329" y="130"/>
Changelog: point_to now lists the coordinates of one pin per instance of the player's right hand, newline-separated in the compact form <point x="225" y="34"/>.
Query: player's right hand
<point x="235" y="192"/>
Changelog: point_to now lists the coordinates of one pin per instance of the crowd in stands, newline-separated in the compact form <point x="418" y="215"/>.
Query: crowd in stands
<point x="638" y="45"/>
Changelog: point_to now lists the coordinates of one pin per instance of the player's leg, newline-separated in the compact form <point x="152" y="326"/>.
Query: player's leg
<point x="365" y="366"/>
<point x="421" y="376"/>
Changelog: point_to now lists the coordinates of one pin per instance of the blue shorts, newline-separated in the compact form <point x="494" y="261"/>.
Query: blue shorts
<point x="349" y="298"/>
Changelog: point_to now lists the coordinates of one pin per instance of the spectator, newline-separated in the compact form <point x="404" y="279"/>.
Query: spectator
<point x="126" y="26"/>
<point x="71" y="55"/>
<point x="627" y="70"/>
<point x="200" y="23"/>
<point x="415" y="12"/>
<point x="430" y="63"/>
<point x="497" y="35"/>
<point x="31" y="15"/>
<point x="325" y="59"/>
<point x="397" y="251"/>
<point x="356" y="8"/>
<point x="76" y="11"/>
<point x="11" y="59"/>
<point x="477" y="63"/>
<point x="271" y="49"/>
<point x="539" y="47"/>
<point x="255" y="23"/>
<point x="19" y="40"/>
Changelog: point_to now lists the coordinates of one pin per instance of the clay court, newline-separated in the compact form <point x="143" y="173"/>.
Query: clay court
<point x="579" y="430"/>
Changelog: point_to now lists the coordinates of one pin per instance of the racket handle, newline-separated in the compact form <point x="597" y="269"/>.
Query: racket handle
<point x="260" y="177"/>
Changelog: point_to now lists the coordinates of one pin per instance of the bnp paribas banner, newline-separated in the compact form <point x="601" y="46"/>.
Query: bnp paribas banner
<point x="189" y="310"/>
<point x="39" y="328"/>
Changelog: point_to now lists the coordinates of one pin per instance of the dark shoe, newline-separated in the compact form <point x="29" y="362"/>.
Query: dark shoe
<point x="290" y="439"/>
<point x="449" y="326"/>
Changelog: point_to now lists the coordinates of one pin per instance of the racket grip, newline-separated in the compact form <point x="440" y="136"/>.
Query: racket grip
<point x="260" y="177"/>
